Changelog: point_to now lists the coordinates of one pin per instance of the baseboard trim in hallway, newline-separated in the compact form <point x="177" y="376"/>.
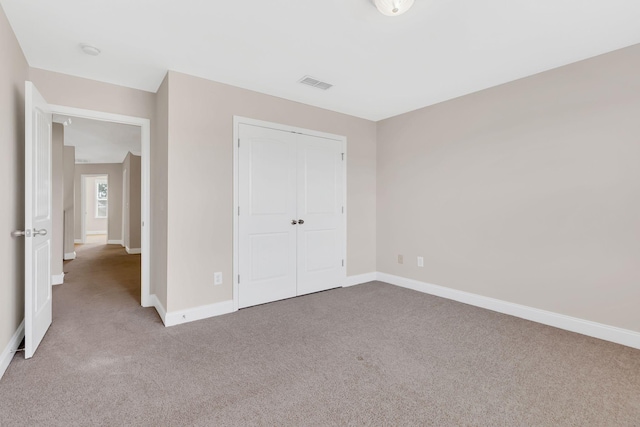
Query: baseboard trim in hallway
<point x="10" y="349"/>
<point x="585" y="327"/>
<point x="133" y="251"/>
<point x="69" y="256"/>
<point x="57" y="279"/>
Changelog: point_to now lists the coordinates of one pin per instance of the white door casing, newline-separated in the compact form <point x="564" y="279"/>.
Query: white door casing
<point x="38" y="221"/>
<point x="146" y="299"/>
<point x="289" y="228"/>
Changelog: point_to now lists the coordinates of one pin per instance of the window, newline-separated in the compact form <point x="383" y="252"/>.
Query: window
<point x="101" y="198"/>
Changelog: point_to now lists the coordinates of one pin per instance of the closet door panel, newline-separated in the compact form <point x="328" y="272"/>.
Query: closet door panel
<point x="320" y="195"/>
<point x="267" y="239"/>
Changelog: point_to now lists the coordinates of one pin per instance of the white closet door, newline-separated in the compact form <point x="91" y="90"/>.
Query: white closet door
<point x="320" y="231"/>
<point x="267" y="196"/>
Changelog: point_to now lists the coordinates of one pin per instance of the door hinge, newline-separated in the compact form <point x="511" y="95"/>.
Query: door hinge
<point x="343" y="263"/>
<point x="238" y="142"/>
<point x="238" y="210"/>
<point x="238" y="279"/>
<point x="342" y="156"/>
<point x="343" y="209"/>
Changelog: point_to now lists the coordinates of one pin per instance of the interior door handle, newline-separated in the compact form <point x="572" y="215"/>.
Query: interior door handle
<point x="294" y="222"/>
<point x="42" y="232"/>
<point x="301" y="221"/>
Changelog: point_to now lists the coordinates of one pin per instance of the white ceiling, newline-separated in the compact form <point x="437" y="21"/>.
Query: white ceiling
<point x="100" y="142"/>
<point x="380" y="66"/>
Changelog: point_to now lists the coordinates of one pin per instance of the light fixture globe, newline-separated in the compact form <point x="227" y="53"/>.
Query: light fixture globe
<point x="393" y="7"/>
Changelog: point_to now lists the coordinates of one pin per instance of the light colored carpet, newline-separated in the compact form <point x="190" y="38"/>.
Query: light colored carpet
<point x="373" y="354"/>
<point x="96" y="238"/>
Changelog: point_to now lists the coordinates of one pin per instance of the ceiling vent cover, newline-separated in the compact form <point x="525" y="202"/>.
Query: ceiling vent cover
<point x="313" y="82"/>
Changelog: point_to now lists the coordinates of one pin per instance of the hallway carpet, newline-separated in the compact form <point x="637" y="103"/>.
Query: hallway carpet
<point x="372" y="354"/>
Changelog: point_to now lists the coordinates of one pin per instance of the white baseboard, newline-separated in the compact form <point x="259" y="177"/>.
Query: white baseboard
<point x="10" y="350"/>
<point x="96" y="233"/>
<point x="69" y="257"/>
<point x="57" y="279"/>
<point x="155" y="302"/>
<point x="198" y="313"/>
<point x="360" y="279"/>
<point x="573" y="324"/>
<point x="79" y="241"/>
<point x="133" y="251"/>
<point x="115" y="242"/>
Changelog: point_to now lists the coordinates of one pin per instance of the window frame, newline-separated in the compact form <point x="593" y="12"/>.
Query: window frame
<point x="100" y="181"/>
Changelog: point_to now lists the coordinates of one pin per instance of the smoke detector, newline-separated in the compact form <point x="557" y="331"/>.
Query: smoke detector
<point x="313" y="82"/>
<point x="89" y="50"/>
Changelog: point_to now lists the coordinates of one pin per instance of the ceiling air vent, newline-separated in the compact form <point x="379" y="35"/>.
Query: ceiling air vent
<point x="310" y="81"/>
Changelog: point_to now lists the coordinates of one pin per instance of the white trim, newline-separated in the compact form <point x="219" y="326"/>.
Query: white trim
<point x="198" y="313"/>
<point x="237" y="121"/>
<point x="115" y="242"/>
<point x="145" y="127"/>
<point x="69" y="257"/>
<point x="134" y="251"/>
<point x="57" y="279"/>
<point x="573" y="324"/>
<point x="155" y="302"/>
<point x="10" y="350"/>
<point x="97" y="233"/>
<point x="78" y="241"/>
<point x="360" y="279"/>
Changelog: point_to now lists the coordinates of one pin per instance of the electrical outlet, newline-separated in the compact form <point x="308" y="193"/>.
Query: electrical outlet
<point x="420" y="261"/>
<point x="217" y="278"/>
<point x="400" y="259"/>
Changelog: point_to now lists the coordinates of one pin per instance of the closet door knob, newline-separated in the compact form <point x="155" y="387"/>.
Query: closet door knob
<point x="301" y="221"/>
<point x="294" y="222"/>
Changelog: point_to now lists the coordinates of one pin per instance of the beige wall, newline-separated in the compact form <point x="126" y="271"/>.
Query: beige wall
<point x="69" y="162"/>
<point x="159" y="183"/>
<point x="132" y="197"/>
<point x="94" y="225"/>
<point x="200" y="159"/>
<point x="528" y="192"/>
<point x="57" y="202"/>
<point x="114" y="172"/>
<point x="13" y="73"/>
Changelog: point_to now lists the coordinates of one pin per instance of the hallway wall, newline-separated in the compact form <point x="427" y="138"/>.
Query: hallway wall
<point x="69" y="166"/>
<point x="57" y="203"/>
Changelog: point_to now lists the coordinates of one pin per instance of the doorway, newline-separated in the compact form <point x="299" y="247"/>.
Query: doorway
<point x="290" y="203"/>
<point x="94" y="205"/>
<point x="144" y="127"/>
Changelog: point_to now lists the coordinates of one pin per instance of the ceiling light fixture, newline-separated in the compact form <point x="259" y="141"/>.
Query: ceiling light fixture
<point x="393" y="7"/>
<point x="89" y="50"/>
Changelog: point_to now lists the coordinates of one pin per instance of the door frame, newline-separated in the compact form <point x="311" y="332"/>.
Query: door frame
<point x="239" y="120"/>
<point x="145" y="128"/>
<point x="83" y="204"/>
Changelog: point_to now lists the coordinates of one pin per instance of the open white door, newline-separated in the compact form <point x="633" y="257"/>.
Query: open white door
<point x="37" y="219"/>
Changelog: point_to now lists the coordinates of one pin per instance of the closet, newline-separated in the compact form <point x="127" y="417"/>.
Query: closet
<point x="291" y="216"/>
